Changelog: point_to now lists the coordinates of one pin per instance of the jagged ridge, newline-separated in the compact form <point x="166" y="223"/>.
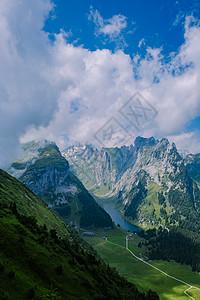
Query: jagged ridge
<point x="150" y="180"/>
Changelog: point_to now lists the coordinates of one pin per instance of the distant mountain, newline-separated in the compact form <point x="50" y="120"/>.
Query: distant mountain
<point x="46" y="172"/>
<point x="149" y="181"/>
<point x="39" y="262"/>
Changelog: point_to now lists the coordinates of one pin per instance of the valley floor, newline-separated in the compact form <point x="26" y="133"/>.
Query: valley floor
<point x="113" y="250"/>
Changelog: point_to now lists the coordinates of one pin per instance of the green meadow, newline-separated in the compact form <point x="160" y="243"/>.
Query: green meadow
<point x="114" y="252"/>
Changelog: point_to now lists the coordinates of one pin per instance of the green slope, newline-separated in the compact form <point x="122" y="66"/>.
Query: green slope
<point x="113" y="251"/>
<point x="35" y="263"/>
<point x="11" y="190"/>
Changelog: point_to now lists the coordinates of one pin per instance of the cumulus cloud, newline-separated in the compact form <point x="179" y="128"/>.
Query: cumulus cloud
<point x="183" y="140"/>
<point x="107" y="80"/>
<point x="57" y="91"/>
<point x="25" y="95"/>
<point x="104" y="81"/>
<point x="111" y="27"/>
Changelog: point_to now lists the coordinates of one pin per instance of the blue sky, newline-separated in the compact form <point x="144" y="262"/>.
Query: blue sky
<point x="71" y="68"/>
<point x="155" y="24"/>
<point x="159" y="23"/>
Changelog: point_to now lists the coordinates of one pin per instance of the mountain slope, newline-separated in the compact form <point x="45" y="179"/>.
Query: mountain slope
<point x="149" y="180"/>
<point x="46" y="172"/>
<point x="35" y="263"/>
<point x="13" y="191"/>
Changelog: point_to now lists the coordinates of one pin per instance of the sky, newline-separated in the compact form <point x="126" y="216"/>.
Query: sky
<point x="100" y="72"/>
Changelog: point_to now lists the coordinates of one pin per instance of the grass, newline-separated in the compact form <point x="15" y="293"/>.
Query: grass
<point x="151" y="207"/>
<point x="35" y="263"/>
<point x="194" y="293"/>
<point x="143" y="275"/>
<point x="101" y="189"/>
<point x="11" y="190"/>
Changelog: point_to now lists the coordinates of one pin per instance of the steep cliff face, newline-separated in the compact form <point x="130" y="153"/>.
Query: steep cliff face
<point x="149" y="180"/>
<point x="115" y="169"/>
<point x="91" y="165"/>
<point x="46" y="172"/>
<point x="101" y="169"/>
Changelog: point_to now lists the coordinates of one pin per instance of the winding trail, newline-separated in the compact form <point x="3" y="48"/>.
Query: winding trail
<point x="145" y="262"/>
<point x="185" y="292"/>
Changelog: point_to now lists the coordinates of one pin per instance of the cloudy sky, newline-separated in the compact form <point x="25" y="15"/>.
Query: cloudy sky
<point x="100" y="72"/>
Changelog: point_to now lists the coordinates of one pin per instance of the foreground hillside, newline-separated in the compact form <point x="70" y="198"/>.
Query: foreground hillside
<point x="46" y="172"/>
<point x="35" y="263"/>
<point x="11" y="190"/>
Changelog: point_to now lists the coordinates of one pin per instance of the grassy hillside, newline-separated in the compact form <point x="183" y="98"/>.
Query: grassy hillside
<point x="152" y="204"/>
<point x="38" y="261"/>
<point x="36" y="264"/>
<point x="11" y="190"/>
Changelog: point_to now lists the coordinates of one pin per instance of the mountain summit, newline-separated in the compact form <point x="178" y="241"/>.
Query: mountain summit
<point x="46" y="172"/>
<point x="149" y="181"/>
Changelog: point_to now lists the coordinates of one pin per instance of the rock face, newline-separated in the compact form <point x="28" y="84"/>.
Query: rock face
<point x="46" y="172"/>
<point x="115" y="169"/>
<point x="148" y="180"/>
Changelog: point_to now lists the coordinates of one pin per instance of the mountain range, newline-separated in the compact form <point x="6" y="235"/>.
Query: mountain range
<point x="150" y="182"/>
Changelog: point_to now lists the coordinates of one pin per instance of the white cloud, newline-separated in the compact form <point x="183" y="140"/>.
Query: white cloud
<point x="25" y="94"/>
<point x="180" y="17"/>
<point x="40" y="80"/>
<point x="112" y="27"/>
<point x="141" y="42"/>
<point x="187" y="142"/>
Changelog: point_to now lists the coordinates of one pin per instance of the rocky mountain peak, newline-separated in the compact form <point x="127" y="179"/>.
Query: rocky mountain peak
<point x="46" y="172"/>
<point x="141" y="142"/>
